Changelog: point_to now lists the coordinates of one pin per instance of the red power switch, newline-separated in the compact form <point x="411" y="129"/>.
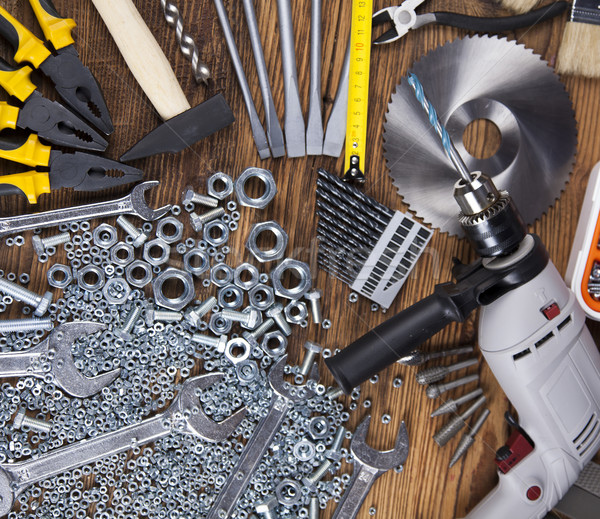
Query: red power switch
<point x="516" y="448"/>
<point x="551" y="311"/>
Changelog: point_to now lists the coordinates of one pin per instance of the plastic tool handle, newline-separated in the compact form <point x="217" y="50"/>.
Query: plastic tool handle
<point x="8" y="116"/>
<point x="390" y="340"/>
<point x="501" y="24"/>
<point x="31" y="152"/>
<point x="16" y="81"/>
<point x="31" y="184"/>
<point x="27" y="46"/>
<point x="143" y="56"/>
<point x="56" y="29"/>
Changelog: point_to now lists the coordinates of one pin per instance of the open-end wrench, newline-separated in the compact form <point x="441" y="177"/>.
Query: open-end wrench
<point x="284" y="397"/>
<point x="369" y="464"/>
<point x="134" y="203"/>
<point x="53" y="357"/>
<point x="258" y="132"/>
<point x="314" y="126"/>
<point x="184" y="415"/>
<point x="294" y="120"/>
<point x="274" y="133"/>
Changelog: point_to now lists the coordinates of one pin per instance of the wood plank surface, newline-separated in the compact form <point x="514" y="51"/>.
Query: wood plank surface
<point x="426" y="489"/>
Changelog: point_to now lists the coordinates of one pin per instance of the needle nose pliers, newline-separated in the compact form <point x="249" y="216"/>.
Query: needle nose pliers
<point x="73" y="81"/>
<point x="78" y="170"/>
<point x="49" y="119"/>
<point x="404" y="19"/>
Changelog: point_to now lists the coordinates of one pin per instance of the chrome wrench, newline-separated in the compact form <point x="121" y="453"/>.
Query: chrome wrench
<point x="183" y="415"/>
<point x="369" y="464"/>
<point x="284" y="397"/>
<point x="134" y="203"/>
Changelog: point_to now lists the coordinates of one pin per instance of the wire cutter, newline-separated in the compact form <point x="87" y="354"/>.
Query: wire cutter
<point x="73" y="81"/>
<point x="404" y="18"/>
<point x="81" y="171"/>
<point x="49" y="119"/>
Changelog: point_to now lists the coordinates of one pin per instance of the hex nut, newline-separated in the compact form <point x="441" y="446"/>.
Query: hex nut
<point x="56" y="281"/>
<point x="116" y="291"/>
<point x="105" y="236"/>
<point x="230" y="296"/>
<point x="166" y="237"/>
<point x="279" y="338"/>
<point x="261" y="296"/>
<point x="295" y="312"/>
<point x="270" y="188"/>
<point x="222" y="236"/>
<point x="180" y="301"/>
<point x="219" y="325"/>
<point x="196" y="262"/>
<point x="165" y="252"/>
<point x="303" y="272"/>
<point x="133" y="268"/>
<point x="212" y="185"/>
<point x="275" y="253"/>
<point x="240" y="271"/>
<point x="93" y="271"/>
<point x="221" y="274"/>
<point x="122" y="253"/>
<point x="233" y="345"/>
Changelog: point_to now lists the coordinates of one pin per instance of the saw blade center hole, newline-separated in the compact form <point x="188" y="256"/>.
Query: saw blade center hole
<point x="482" y="138"/>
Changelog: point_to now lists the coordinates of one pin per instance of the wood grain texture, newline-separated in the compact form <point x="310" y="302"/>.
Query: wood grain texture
<point x="426" y="489"/>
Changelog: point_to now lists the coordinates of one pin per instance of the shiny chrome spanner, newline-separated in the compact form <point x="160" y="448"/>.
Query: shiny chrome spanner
<point x="183" y="416"/>
<point x="369" y="464"/>
<point x="284" y="397"/>
<point x="134" y="203"/>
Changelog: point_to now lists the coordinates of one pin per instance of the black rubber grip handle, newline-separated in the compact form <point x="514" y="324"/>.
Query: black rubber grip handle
<point x="501" y="24"/>
<point x="8" y="31"/>
<point x="392" y="339"/>
<point x="48" y="6"/>
<point x="9" y="189"/>
<point x="5" y="66"/>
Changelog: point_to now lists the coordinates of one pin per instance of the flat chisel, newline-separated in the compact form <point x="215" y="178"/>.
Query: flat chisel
<point x="314" y="127"/>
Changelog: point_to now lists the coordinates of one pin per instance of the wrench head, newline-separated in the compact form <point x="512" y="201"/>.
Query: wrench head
<point x="287" y="390"/>
<point x="380" y="460"/>
<point x="141" y="208"/>
<point x="7" y="496"/>
<point x="66" y="375"/>
<point x="197" y="422"/>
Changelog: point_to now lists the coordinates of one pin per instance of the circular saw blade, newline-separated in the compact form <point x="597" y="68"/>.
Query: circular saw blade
<point x="491" y="78"/>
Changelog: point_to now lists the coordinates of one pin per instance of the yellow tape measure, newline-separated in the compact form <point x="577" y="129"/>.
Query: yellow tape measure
<point x="358" y="89"/>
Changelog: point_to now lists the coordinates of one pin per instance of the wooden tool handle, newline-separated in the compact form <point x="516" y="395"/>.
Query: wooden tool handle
<point x="143" y="56"/>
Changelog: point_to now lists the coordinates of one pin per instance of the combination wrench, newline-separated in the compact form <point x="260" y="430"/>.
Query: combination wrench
<point x="53" y="357"/>
<point x="369" y="464"/>
<point x="184" y="415"/>
<point x="284" y="397"/>
<point x="134" y="203"/>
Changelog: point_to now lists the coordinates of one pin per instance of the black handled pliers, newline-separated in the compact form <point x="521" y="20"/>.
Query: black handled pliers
<point x="404" y="19"/>
<point x="73" y="81"/>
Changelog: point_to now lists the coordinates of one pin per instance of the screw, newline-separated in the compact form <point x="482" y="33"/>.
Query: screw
<point x="219" y="343"/>
<point x="312" y="480"/>
<point x="40" y="303"/>
<point x="451" y="429"/>
<point x="199" y="220"/>
<point x="41" y="244"/>
<point x="132" y="317"/>
<point x="267" y="508"/>
<point x="313" y="297"/>
<point x="248" y="318"/>
<point x="333" y="453"/>
<point x="139" y="236"/>
<point x="435" y="390"/>
<point x="153" y="315"/>
<point x="194" y="315"/>
<point x="253" y="336"/>
<point x="334" y="392"/>
<point x="275" y="313"/>
<point x="468" y="438"/>
<point x="313" y="508"/>
<point x="436" y="373"/>
<point x="25" y="325"/>
<point x="312" y="350"/>
<point x="191" y="197"/>
<point x="35" y="424"/>
<point x="417" y="357"/>
<point x="451" y="405"/>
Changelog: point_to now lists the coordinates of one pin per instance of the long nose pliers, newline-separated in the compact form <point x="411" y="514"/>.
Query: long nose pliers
<point x="73" y="81"/>
<point x="404" y="19"/>
<point x="49" y="119"/>
<point x="78" y="170"/>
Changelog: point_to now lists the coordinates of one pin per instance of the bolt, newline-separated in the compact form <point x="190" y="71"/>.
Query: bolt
<point x="333" y="453"/>
<point x="334" y="392"/>
<point x="275" y="312"/>
<point x="153" y="315"/>
<point x="219" y="343"/>
<point x="25" y="325"/>
<point x="194" y="315"/>
<point x="253" y="336"/>
<point x="312" y="350"/>
<point x="267" y="508"/>
<point x="191" y="197"/>
<point x="248" y="318"/>
<point x="132" y="317"/>
<point x="35" y="424"/>
<point x="139" y="236"/>
<point x="452" y="428"/>
<point x="468" y="438"/>
<point x="435" y="390"/>
<point x="312" y="480"/>
<point x="313" y="297"/>
<point x="313" y="508"/>
<point x="41" y="244"/>
<point x="199" y="220"/>
<point x="40" y="303"/>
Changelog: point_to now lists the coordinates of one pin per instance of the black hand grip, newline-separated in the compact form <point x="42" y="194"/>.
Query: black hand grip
<point x="9" y="32"/>
<point x="48" y="6"/>
<point x="501" y="24"/>
<point x="5" y="66"/>
<point x="395" y="337"/>
<point x="13" y="141"/>
<point x="9" y="189"/>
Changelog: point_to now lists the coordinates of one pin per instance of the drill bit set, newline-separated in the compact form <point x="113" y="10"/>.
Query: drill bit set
<point x="363" y="243"/>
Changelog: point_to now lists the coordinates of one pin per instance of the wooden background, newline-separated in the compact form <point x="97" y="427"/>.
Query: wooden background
<point x="427" y="488"/>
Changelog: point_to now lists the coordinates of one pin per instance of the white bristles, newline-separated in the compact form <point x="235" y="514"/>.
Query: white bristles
<point x="579" y="53"/>
<point x="519" y="6"/>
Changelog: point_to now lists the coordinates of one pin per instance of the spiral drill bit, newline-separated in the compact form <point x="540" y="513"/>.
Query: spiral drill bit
<point x="449" y="148"/>
<point x="186" y="42"/>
